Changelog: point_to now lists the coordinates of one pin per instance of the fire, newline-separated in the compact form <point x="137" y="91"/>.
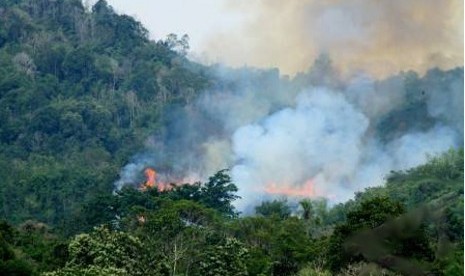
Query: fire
<point x="153" y="179"/>
<point x="306" y="190"/>
<point x="151" y="176"/>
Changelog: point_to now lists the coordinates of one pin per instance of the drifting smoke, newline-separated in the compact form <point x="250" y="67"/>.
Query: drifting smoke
<point x="319" y="140"/>
<point x="309" y="136"/>
<point x="379" y="37"/>
<point x="332" y="142"/>
<point x="332" y="130"/>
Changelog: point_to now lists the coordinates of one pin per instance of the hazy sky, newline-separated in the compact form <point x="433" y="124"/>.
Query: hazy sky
<point x="380" y="37"/>
<point x="200" y="19"/>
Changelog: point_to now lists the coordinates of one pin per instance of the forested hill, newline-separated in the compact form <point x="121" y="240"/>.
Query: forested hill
<point x="411" y="226"/>
<point x="80" y="90"/>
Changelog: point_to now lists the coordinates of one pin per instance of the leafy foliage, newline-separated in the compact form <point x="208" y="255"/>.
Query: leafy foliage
<point x="225" y="259"/>
<point x="371" y="213"/>
<point x="103" y="252"/>
<point x="81" y="88"/>
<point x="275" y="208"/>
<point x="180" y="232"/>
<point x="79" y="91"/>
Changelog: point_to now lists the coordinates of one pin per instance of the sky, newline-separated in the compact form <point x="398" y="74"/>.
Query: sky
<point x="200" y="19"/>
<point x="378" y="37"/>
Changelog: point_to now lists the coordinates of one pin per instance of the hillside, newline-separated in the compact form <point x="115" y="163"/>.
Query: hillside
<point x="415" y="220"/>
<point x="88" y="103"/>
<point x="80" y="90"/>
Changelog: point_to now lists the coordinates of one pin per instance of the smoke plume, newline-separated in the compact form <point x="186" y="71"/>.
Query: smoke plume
<point x="379" y="37"/>
<point x="316" y="135"/>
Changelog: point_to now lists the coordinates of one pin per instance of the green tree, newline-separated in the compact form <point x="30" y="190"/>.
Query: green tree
<point x="10" y="263"/>
<point x="370" y="214"/>
<point x="88" y="271"/>
<point x="257" y="233"/>
<point x="307" y="209"/>
<point x="291" y="247"/>
<point x="276" y="208"/>
<point x="103" y="251"/>
<point x="219" y="193"/>
<point x="226" y="258"/>
<point x="174" y="234"/>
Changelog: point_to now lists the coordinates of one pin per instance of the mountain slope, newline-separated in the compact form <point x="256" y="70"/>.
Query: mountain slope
<point x="79" y="92"/>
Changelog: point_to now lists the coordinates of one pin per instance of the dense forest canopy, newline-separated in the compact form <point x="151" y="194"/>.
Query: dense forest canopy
<point x="84" y="93"/>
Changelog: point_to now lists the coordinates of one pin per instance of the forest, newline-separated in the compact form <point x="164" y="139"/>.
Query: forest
<point x="81" y="89"/>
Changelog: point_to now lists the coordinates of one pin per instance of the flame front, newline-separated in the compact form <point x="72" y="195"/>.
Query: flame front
<point x="306" y="190"/>
<point x="153" y="179"/>
<point x="151" y="176"/>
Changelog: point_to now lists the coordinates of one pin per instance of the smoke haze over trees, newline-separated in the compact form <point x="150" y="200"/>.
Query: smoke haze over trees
<point x="252" y="172"/>
<point x="380" y="37"/>
<point x="340" y="135"/>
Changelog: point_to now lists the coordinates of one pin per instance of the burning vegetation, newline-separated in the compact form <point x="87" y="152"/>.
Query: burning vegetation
<point x="153" y="179"/>
<point x="150" y="181"/>
<point x="306" y="190"/>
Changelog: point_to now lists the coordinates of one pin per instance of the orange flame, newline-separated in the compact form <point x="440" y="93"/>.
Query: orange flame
<point x="306" y="190"/>
<point x="151" y="175"/>
<point x="153" y="180"/>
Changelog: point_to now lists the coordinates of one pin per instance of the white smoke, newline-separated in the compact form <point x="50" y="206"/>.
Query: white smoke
<point x="131" y="173"/>
<point x="273" y="131"/>
<point x="320" y="139"/>
<point x="324" y="138"/>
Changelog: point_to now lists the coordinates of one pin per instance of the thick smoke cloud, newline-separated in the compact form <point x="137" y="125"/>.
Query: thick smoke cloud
<point x="327" y="140"/>
<point x="337" y="128"/>
<point x="319" y="140"/>
<point x="379" y="37"/>
<point x="309" y="136"/>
